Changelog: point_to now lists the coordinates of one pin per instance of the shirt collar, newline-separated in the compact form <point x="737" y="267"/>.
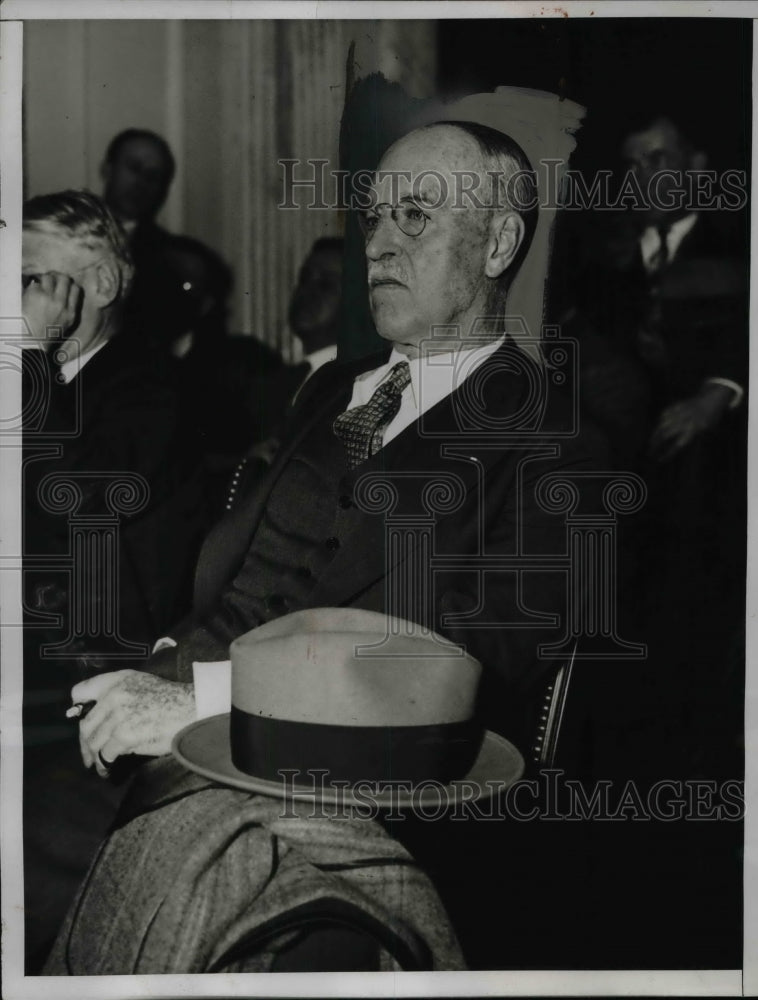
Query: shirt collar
<point x="650" y="240"/>
<point x="321" y="357"/>
<point x="71" y="368"/>
<point x="433" y="376"/>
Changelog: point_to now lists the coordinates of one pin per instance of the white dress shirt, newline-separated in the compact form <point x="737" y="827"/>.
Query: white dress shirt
<point x="650" y="240"/>
<point x="433" y="378"/>
<point x="71" y="368"/>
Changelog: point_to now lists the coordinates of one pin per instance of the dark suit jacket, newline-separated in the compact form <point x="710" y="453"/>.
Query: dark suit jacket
<point x="495" y="463"/>
<point x="120" y="414"/>
<point x="703" y="302"/>
<point x="699" y="319"/>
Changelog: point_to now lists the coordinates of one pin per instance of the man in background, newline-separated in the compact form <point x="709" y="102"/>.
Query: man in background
<point x="688" y="259"/>
<point x="103" y="427"/>
<point x="137" y="172"/>
<point x="166" y="299"/>
<point x="661" y="311"/>
<point x="315" y="305"/>
<point x="314" y="318"/>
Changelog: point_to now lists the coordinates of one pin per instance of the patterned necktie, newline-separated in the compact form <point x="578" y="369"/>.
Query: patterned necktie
<point x="361" y="429"/>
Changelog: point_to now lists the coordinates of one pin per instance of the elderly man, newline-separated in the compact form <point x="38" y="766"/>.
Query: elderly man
<point x="110" y="408"/>
<point x="102" y="423"/>
<point x="428" y="416"/>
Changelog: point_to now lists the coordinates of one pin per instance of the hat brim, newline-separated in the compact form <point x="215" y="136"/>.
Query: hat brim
<point x="204" y="747"/>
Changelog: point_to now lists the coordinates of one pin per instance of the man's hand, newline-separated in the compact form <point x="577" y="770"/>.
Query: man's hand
<point x="50" y="300"/>
<point x="135" y="713"/>
<point x="682" y="422"/>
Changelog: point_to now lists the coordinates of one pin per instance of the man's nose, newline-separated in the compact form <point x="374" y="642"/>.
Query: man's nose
<point x="385" y="239"/>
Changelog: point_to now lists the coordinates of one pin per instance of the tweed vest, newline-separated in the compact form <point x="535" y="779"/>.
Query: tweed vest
<point x="298" y="537"/>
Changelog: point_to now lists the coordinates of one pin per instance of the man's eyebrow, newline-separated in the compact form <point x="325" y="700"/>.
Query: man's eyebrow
<point x="420" y="199"/>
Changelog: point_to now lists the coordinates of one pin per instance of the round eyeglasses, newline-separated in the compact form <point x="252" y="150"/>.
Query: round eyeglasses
<point x="408" y="218"/>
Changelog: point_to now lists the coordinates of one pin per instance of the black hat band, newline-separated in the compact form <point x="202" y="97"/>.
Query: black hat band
<point x="265" y="747"/>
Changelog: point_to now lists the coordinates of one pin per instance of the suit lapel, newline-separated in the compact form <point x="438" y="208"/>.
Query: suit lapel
<point x="441" y="444"/>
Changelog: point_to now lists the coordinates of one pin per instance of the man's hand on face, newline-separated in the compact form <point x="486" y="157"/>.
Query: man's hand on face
<point x="134" y="712"/>
<point x="50" y="300"/>
<point x="682" y="422"/>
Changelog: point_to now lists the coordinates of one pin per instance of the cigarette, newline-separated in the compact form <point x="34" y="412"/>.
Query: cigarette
<point x="80" y="709"/>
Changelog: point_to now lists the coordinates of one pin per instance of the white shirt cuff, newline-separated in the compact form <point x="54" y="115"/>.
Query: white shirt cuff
<point x="213" y="688"/>
<point x="165" y="642"/>
<point x="737" y="389"/>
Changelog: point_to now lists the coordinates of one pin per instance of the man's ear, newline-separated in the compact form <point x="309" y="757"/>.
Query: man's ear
<point x="107" y="283"/>
<point x="506" y="236"/>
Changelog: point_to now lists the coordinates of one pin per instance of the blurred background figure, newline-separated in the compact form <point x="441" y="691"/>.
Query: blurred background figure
<point x="180" y="286"/>
<point x="659" y="301"/>
<point x="659" y="305"/>
<point x="315" y="320"/>
<point x="190" y="309"/>
<point x="137" y="172"/>
<point x="112" y="417"/>
<point x="314" y="312"/>
<point x="691" y="331"/>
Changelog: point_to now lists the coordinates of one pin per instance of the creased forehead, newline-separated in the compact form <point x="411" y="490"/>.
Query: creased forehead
<point x="440" y="147"/>
<point x="423" y="163"/>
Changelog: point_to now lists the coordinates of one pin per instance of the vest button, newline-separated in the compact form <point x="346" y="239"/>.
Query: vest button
<point x="332" y="544"/>
<point x="276" y="603"/>
<point x="345" y="501"/>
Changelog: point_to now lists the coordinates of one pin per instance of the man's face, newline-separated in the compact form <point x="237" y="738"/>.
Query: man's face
<point x="437" y="278"/>
<point x="651" y="151"/>
<point x="136" y="180"/>
<point x="44" y="251"/>
<point x="315" y="302"/>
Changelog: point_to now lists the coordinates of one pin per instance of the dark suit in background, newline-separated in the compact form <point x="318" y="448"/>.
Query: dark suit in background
<point x="123" y="409"/>
<point x="649" y="340"/>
